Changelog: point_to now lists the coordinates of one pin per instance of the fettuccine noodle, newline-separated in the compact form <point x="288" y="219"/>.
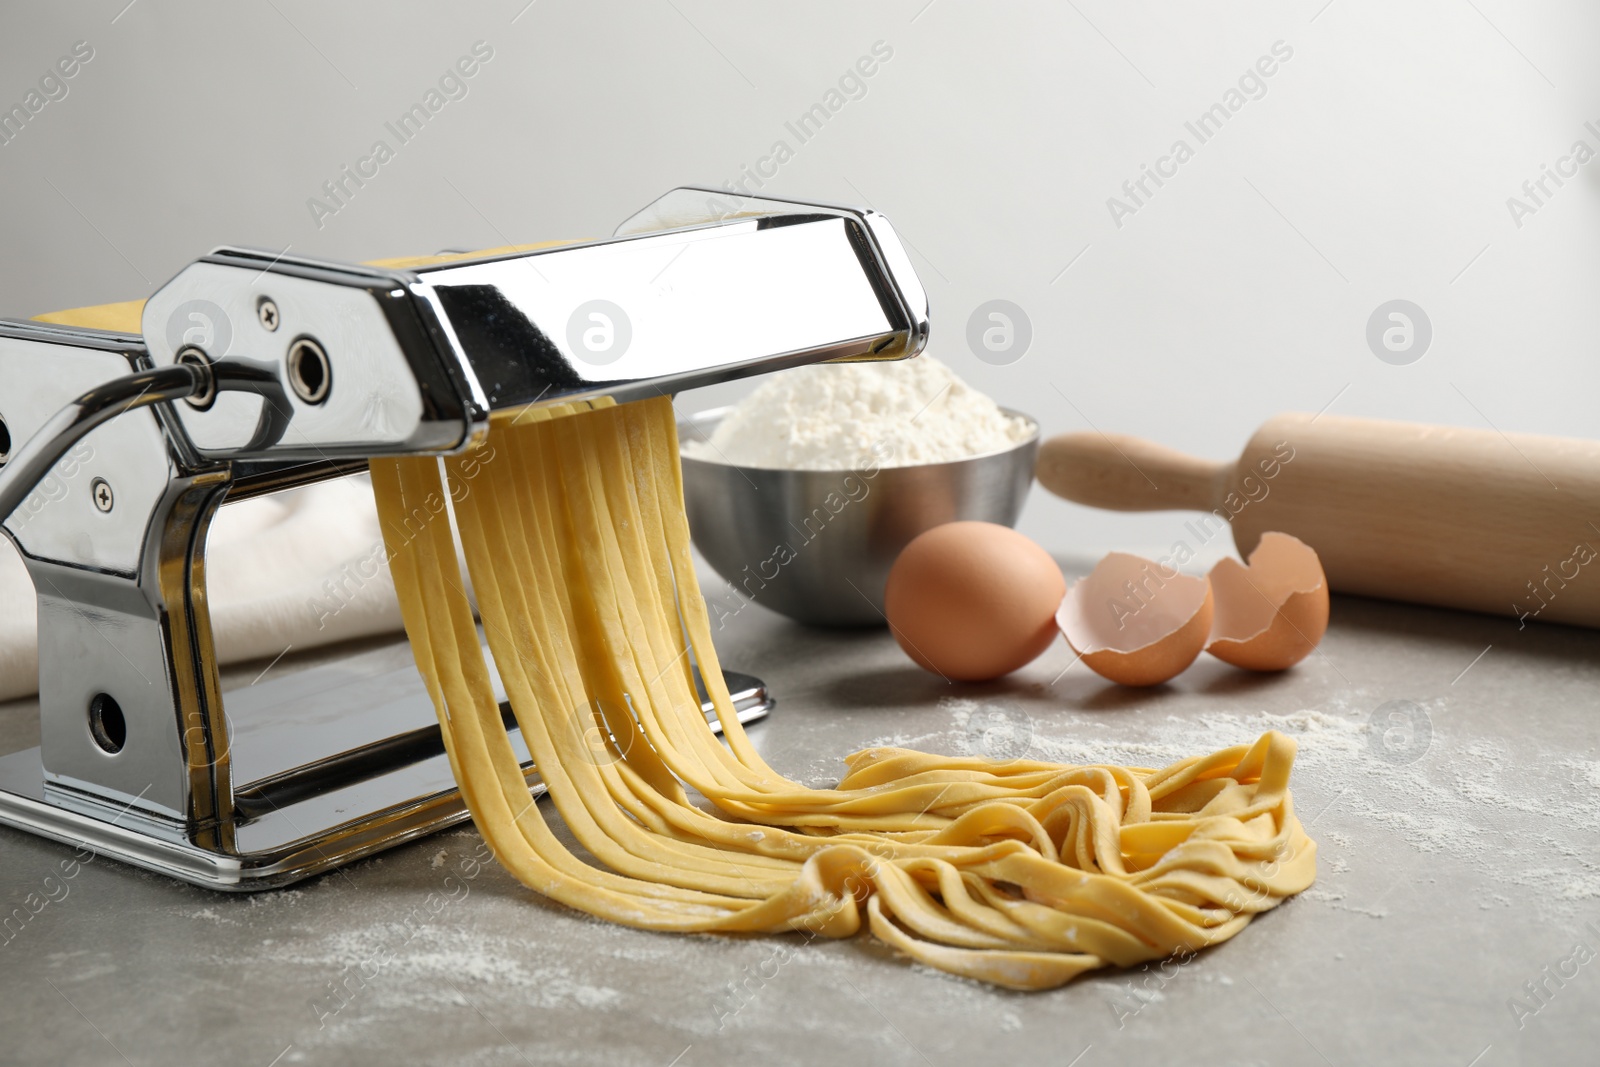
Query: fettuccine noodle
<point x="1020" y="873"/>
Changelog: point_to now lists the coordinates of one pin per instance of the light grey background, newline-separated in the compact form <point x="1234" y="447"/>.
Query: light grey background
<point x="1376" y="166"/>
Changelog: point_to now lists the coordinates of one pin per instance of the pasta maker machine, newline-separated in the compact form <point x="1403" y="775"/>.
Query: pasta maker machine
<point x="256" y="372"/>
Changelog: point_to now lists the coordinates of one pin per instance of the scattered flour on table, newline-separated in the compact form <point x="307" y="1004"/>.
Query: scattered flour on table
<point x="1336" y="898"/>
<point x="1588" y="771"/>
<point x="838" y="416"/>
<point x="393" y="967"/>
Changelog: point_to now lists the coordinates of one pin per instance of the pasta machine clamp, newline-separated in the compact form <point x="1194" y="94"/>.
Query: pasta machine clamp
<point x="255" y="372"/>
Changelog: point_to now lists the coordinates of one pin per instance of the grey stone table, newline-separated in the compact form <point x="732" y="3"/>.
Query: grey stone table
<point x="1455" y="918"/>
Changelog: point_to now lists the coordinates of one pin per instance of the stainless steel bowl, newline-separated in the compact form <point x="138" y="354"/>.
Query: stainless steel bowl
<point x="817" y="545"/>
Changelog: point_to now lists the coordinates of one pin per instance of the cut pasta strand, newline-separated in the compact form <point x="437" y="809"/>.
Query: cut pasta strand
<point x="1020" y="873"/>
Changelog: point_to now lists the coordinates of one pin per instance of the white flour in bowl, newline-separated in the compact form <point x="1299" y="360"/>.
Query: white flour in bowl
<point x="834" y="416"/>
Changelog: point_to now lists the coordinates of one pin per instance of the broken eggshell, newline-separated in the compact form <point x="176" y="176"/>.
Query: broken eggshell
<point x="1272" y="610"/>
<point x="1136" y="622"/>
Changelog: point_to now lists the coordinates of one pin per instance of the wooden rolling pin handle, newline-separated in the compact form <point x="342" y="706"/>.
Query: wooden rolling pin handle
<point x="1126" y="473"/>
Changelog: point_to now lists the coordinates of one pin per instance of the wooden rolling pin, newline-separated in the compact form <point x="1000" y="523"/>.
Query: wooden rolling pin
<point x="1502" y="523"/>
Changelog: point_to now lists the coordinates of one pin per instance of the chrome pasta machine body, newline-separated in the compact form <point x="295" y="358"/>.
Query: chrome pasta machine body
<point x="256" y="372"/>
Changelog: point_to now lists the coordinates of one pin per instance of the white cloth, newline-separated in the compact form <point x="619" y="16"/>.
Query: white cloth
<point x="300" y="568"/>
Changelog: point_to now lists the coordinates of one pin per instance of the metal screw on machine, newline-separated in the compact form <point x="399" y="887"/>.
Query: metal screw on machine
<point x="100" y="489"/>
<point x="267" y="314"/>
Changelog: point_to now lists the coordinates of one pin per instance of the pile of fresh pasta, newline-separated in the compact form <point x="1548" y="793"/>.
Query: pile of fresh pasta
<point x="1020" y="873"/>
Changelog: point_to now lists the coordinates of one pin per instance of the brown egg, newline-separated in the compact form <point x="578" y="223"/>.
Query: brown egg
<point x="1134" y="621"/>
<point x="1271" y="611"/>
<point x="973" y="600"/>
